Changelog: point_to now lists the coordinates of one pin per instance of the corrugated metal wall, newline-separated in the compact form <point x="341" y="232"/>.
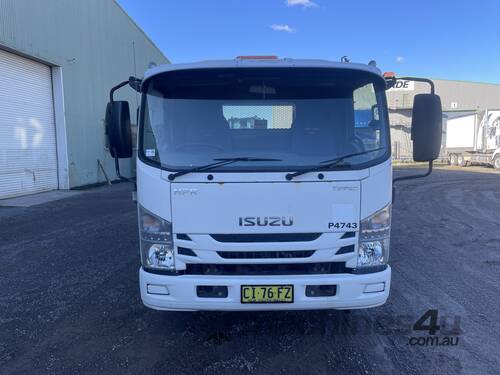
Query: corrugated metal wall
<point x="455" y="95"/>
<point x="97" y="45"/>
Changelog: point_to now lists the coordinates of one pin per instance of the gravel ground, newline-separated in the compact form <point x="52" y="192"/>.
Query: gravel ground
<point x="69" y="300"/>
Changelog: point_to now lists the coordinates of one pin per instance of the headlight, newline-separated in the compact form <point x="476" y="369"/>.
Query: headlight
<point x="156" y="241"/>
<point x="374" y="239"/>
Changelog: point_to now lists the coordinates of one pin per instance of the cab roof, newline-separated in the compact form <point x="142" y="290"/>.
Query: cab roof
<point x="261" y="63"/>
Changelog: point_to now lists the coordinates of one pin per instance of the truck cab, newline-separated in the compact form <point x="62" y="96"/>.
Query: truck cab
<point x="264" y="184"/>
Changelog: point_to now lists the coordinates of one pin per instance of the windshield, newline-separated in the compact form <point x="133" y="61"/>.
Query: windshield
<point x="291" y="118"/>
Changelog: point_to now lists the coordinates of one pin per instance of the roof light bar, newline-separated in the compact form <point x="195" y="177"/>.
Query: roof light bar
<point x="389" y="75"/>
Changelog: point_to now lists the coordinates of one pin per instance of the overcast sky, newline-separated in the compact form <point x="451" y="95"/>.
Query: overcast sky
<point x="452" y="39"/>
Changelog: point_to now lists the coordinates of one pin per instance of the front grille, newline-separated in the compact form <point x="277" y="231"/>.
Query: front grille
<point x="266" y="237"/>
<point x="267" y="269"/>
<point x="265" y="254"/>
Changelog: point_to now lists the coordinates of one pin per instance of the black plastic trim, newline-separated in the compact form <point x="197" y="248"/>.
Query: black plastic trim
<point x="183" y="236"/>
<point x="313" y="291"/>
<point x="345" y="250"/>
<point x="348" y="235"/>
<point x="207" y="291"/>
<point x="366" y="270"/>
<point x="162" y="272"/>
<point x="266" y="237"/>
<point x="286" y="254"/>
<point x="167" y="168"/>
<point x="185" y="251"/>
<point x="266" y="269"/>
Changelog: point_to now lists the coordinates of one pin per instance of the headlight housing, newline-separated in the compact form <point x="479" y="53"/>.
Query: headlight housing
<point x="156" y="241"/>
<point x="374" y="238"/>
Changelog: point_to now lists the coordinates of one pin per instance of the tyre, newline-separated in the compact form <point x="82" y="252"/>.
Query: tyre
<point x="460" y="160"/>
<point x="496" y="162"/>
<point x="453" y="159"/>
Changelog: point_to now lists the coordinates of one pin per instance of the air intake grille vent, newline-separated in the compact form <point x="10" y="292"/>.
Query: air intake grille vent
<point x="266" y="237"/>
<point x="267" y="269"/>
<point x="265" y="254"/>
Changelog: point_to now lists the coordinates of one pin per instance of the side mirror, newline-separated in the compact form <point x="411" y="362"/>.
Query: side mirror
<point x="426" y="127"/>
<point x="118" y="129"/>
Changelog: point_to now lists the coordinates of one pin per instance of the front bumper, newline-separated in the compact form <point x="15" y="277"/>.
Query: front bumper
<point x="352" y="291"/>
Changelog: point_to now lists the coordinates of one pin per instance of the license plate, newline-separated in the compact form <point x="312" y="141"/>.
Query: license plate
<point x="267" y="294"/>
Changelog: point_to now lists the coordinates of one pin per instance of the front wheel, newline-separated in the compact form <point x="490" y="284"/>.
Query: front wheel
<point x="453" y="159"/>
<point x="496" y="162"/>
<point x="460" y="160"/>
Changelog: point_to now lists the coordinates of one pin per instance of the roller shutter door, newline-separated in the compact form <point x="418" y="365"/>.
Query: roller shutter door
<point x="28" y="157"/>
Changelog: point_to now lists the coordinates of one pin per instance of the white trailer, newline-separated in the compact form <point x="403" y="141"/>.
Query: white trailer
<point x="474" y="138"/>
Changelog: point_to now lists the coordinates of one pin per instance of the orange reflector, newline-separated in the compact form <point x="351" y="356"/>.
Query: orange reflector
<point x="270" y="57"/>
<point x="389" y="75"/>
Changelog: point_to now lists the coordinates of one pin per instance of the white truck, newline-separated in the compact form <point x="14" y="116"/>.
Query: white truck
<point x="474" y="138"/>
<point x="291" y="210"/>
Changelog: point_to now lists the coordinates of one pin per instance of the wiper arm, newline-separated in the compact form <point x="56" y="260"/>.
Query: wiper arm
<point x="329" y="163"/>
<point x="218" y="163"/>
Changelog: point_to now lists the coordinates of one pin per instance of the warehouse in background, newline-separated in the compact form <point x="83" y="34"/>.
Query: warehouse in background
<point x="463" y="104"/>
<point x="58" y="60"/>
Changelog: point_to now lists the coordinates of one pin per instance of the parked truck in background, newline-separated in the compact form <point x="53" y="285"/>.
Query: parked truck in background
<point x="260" y="186"/>
<point x="474" y="138"/>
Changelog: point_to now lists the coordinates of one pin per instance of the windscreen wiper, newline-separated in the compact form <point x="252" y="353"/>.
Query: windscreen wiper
<point x="325" y="164"/>
<point x="218" y="163"/>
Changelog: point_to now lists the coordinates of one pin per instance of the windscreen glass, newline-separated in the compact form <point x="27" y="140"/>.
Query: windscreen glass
<point x="300" y="117"/>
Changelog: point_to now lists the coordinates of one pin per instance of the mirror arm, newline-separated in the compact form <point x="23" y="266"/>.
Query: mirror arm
<point x="413" y="176"/>
<point x="114" y="88"/>
<point x="134" y="82"/>
<point x="123" y="178"/>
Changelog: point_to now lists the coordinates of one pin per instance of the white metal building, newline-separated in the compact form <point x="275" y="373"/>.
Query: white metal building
<point x="58" y="60"/>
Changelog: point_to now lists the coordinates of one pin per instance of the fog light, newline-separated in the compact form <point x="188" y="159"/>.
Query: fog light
<point x="161" y="256"/>
<point x="157" y="289"/>
<point x="373" y="288"/>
